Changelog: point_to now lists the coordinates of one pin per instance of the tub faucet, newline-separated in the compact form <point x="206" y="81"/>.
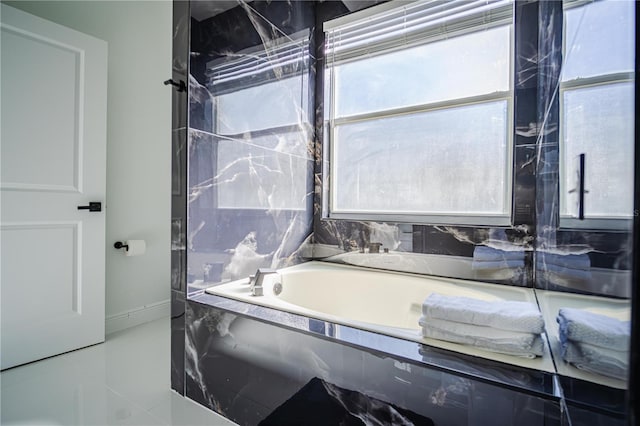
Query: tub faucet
<point x="256" y="280"/>
<point x="374" y="247"/>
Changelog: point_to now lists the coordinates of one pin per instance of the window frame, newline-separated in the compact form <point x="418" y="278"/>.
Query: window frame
<point x="423" y="218"/>
<point x="567" y="221"/>
<point x="259" y="75"/>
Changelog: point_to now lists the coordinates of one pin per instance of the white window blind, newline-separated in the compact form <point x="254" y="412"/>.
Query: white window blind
<point x="280" y="58"/>
<point x="260" y="120"/>
<point x="399" y="24"/>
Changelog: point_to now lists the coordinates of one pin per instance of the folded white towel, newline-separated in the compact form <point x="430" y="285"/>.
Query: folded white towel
<point x="486" y="265"/>
<point x="569" y="261"/>
<point x="564" y="272"/>
<point x="503" y="315"/>
<point x="502" y="341"/>
<point x="597" y="360"/>
<point x="583" y="326"/>
<point x="490" y="254"/>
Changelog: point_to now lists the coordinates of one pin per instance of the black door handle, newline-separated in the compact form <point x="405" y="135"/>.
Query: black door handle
<point x="582" y="189"/>
<point x="93" y="206"/>
<point x="182" y="87"/>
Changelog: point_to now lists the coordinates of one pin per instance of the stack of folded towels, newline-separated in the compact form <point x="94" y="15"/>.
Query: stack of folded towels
<point x="489" y="258"/>
<point x="507" y="327"/>
<point x="595" y="343"/>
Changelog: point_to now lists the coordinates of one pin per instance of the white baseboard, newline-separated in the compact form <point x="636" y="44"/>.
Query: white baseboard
<point x="137" y="316"/>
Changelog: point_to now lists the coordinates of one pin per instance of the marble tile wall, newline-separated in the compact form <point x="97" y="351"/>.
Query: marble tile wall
<point x="535" y="216"/>
<point x="608" y="254"/>
<point x="258" y="373"/>
<point x="248" y="178"/>
<point x="256" y="172"/>
<point x="179" y="126"/>
<point x="251" y="140"/>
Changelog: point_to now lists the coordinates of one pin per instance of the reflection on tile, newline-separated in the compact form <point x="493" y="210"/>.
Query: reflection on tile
<point x="177" y="410"/>
<point x="260" y="218"/>
<point x="248" y="161"/>
<point x="530" y="374"/>
<point x="334" y="405"/>
<point x="80" y="403"/>
<point x="123" y="381"/>
<point x="249" y="192"/>
<point x="246" y="369"/>
<point x="143" y="419"/>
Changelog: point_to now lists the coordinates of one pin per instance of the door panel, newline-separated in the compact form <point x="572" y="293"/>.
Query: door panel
<point x="53" y="158"/>
<point x="31" y="161"/>
<point x="37" y="252"/>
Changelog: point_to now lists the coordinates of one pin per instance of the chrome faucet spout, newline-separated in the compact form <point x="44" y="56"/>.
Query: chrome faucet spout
<point x="257" y="280"/>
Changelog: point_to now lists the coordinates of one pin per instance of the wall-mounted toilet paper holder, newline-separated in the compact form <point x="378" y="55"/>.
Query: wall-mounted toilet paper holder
<point x="132" y="247"/>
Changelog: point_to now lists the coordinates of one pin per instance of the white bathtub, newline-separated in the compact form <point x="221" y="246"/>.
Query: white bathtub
<point x="383" y="302"/>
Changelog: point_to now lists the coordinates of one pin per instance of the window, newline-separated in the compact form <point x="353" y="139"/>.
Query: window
<point x="597" y="113"/>
<point x="418" y="112"/>
<point x="260" y="148"/>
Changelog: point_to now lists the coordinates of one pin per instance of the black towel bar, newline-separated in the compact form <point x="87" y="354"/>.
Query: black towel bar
<point x="181" y="86"/>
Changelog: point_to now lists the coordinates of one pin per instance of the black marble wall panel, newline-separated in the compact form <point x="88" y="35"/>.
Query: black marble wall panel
<point x="256" y="192"/>
<point x="548" y="145"/>
<point x="478" y="368"/>
<point x="257" y="27"/>
<point x="633" y="406"/>
<point x="178" y="258"/>
<point x="525" y="130"/>
<point x="180" y="62"/>
<point x="177" y="340"/>
<point x="604" y="404"/>
<point x="250" y="370"/>
<point x="250" y="140"/>
<point x="569" y="255"/>
<point x="584" y="416"/>
<point x="606" y="252"/>
<point x="437" y="242"/>
<point x="535" y="214"/>
<point x="178" y="225"/>
<point x="178" y="209"/>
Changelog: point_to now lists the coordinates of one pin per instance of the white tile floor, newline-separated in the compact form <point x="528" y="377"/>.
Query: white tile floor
<point x="124" y="381"/>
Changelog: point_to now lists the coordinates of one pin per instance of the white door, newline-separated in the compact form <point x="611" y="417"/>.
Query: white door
<point x="53" y="156"/>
